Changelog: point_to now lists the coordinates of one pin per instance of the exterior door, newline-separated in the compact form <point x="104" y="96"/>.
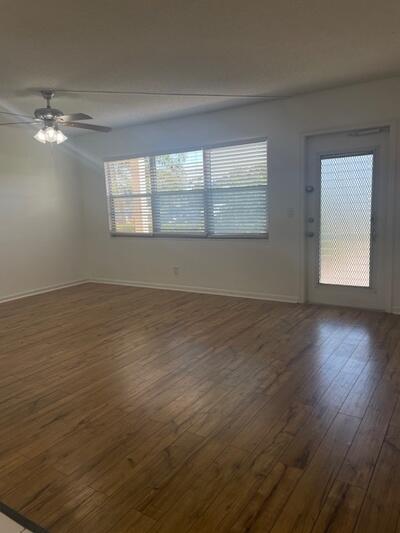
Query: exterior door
<point x="346" y="191"/>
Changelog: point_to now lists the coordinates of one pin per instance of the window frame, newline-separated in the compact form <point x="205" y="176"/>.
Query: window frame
<point x="206" y="234"/>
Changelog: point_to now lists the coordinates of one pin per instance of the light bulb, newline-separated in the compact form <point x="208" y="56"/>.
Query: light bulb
<point x="60" y="137"/>
<point x="50" y="134"/>
<point x="40" y="136"/>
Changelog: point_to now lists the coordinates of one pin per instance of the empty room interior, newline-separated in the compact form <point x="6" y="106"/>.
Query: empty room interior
<point x="200" y="266"/>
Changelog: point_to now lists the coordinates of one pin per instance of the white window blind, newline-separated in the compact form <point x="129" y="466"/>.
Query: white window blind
<point x="129" y="196"/>
<point x="209" y="192"/>
<point x="178" y="193"/>
<point x="238" y="189"/>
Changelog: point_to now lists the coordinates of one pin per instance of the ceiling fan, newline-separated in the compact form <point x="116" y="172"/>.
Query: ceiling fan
<point x="51" y="119"/>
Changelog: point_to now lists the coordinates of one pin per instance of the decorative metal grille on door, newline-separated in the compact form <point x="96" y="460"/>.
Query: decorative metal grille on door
<point x="346" y="220"/>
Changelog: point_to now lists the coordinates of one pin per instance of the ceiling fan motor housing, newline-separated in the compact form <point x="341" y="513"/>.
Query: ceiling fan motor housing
<point x="47" y="113"/>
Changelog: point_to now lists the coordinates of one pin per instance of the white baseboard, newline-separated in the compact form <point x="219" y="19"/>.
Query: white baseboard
<point x="42" y="290"/>
<point x="164" y="286"/>
<point x="201" y="290"/>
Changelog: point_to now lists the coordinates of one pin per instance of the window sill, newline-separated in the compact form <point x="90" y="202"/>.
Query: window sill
<point x="191" y="236"/>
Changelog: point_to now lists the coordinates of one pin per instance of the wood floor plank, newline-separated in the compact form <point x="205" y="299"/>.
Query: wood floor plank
<point x="205" y="488"/>
<point x="267" y="501"/>
<point x="307" y="500"/>
<point x="360" y="461"/>
<point x="341" y="509"/>
<point x="381" y="509"/>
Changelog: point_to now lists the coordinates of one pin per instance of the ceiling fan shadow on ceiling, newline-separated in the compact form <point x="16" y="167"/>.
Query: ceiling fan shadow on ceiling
<point x="51" y="119"/>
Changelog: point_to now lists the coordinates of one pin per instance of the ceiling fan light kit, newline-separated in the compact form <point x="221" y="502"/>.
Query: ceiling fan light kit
<point x="49" y="134"/>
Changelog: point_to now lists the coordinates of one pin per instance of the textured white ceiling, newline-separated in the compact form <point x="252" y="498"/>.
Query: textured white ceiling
<point x="221" y="46"/>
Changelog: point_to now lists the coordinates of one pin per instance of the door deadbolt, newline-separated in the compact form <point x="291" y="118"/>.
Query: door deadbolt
<point x="309" y="188"/>
<point x="310" y="220"/>
<point x="310" y="234"/>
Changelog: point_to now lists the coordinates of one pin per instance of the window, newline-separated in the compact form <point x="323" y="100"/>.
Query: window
<point x="211" y="192"/>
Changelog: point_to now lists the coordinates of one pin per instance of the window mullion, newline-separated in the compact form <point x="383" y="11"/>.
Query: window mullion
<point x="154" y="196"/>
<point x="207" y="192"/>
<point x="112" y="214"/>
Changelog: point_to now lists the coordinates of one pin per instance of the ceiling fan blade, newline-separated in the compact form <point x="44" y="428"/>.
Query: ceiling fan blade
<point x="74" y="116"/>
<point x="12" y="123"/>
<point x="14" y="114"/>
<point x="87" y="126"/>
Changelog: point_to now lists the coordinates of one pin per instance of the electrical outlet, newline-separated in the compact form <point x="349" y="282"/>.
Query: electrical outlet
<point x="175" y="270"/>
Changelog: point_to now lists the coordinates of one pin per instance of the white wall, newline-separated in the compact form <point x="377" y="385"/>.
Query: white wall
<point x="257" y="267"/>
<point x="40" y="215"/>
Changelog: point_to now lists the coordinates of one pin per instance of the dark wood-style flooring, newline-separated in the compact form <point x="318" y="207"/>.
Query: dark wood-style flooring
<point x="137" y="410"/>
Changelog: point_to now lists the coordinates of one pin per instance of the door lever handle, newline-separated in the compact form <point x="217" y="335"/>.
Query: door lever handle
<point x="310" y="234"/>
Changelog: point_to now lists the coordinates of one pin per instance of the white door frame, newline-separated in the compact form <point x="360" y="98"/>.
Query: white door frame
<point x="390" y="203"/>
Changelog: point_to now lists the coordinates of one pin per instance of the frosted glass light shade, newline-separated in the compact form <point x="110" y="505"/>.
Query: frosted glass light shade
<point x="51" y="134"/>
<point x="40" y="136"/>
<point x="60" y="137"/>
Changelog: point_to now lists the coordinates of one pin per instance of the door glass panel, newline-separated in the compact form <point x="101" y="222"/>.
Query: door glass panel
<point x="345" y="220"/>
